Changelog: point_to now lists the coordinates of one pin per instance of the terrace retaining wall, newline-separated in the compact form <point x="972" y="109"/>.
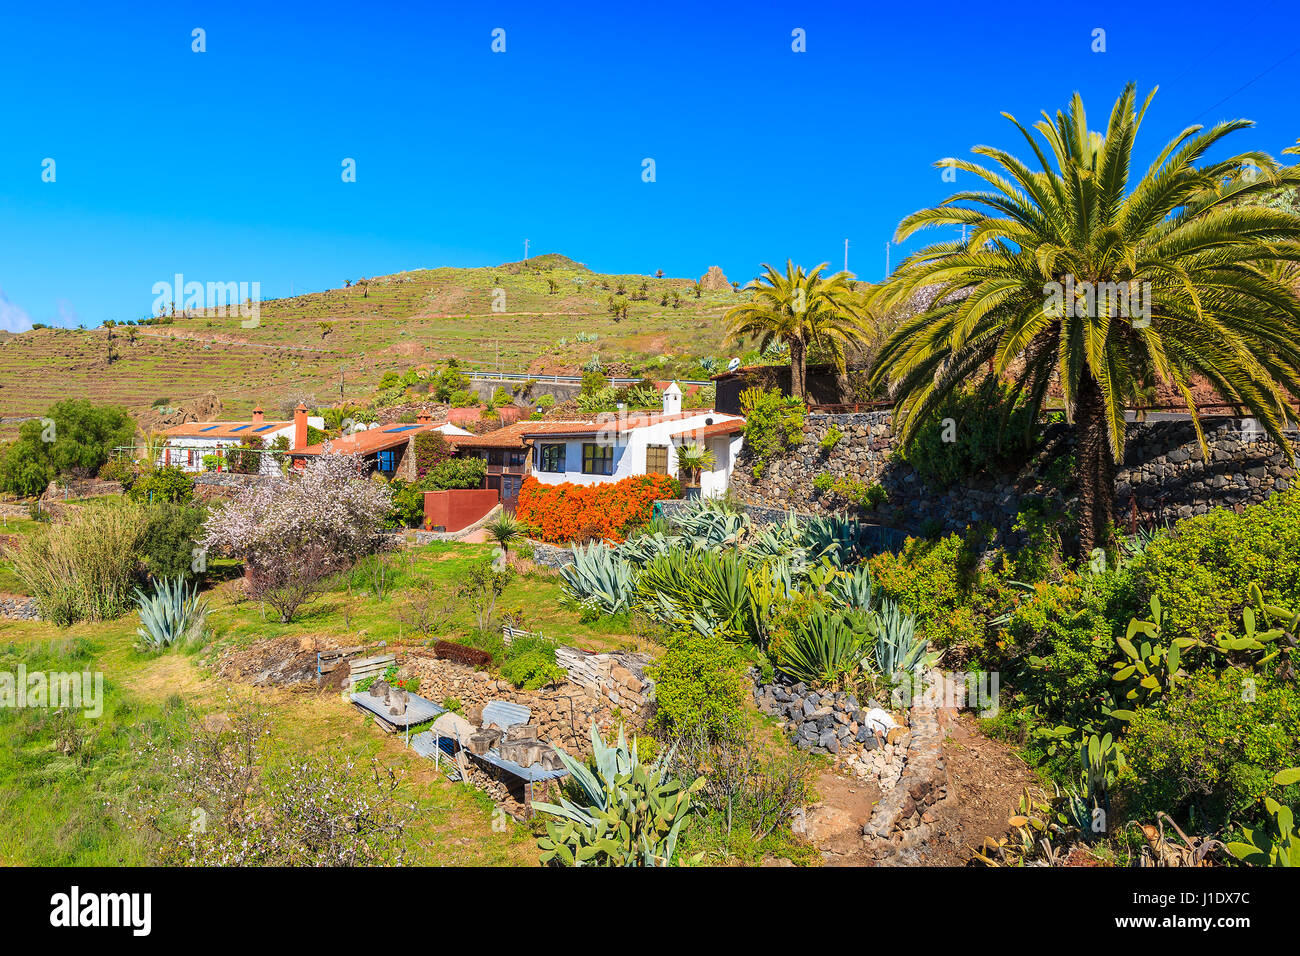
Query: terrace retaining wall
<point x="1163" y="472"/>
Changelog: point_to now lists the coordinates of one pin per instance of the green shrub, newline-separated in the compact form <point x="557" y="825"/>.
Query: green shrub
<point x="832" y="438"/>
<point x="455" y="473"/>
<point x="1040" y="551"/>
<point x="83" y="569"/>
<point x="943" y="584"/>
<point x="773" y="424"/>
<point x="1202" y="569"/>
<point x="1060" y="641"/>
<point x="530" y="662"/>
<point x="167" y="542"/>
<point x="823" y="482"/>
<point x="1214" y="745"/>
<point x="75" y="438"/>
<point x="167" y="484"/>
<point x="990" y="429"/>
<point x="699" y="682"/>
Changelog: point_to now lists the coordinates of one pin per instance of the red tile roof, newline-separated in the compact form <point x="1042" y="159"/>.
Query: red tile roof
<point x="223" y="429"/>
<point x="734" y="427"/>
<point x="370" y="441"/>
<point x="612" y="421"/>
<point x="508" y="436"/>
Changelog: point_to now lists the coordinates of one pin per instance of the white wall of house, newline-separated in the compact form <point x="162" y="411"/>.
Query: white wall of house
<point x="630" y="452"/>
<point x="726" y="449"/>
<point x="186" y="451"/>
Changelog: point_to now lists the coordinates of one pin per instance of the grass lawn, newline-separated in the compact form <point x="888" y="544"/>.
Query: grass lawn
<point x="65" y="776"/>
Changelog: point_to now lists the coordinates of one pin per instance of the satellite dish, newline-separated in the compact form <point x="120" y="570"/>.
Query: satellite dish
<point x="733" y="365"/>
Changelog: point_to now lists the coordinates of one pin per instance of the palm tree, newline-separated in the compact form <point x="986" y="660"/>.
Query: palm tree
<point x="693" y="458"/>
<point x="1188" y="241"/>
<point x="503" y="529"/>
<point x="802" y="310"/>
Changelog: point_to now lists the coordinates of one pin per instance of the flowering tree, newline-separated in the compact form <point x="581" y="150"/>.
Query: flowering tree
<point x="293" y="532"/>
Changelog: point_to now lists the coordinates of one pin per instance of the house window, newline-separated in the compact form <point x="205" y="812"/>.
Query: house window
<point x="387" y="461"/>
<point x="597" y="459"/>
<point x="656" y="459"/>
<point x="515" y="459"/>
<point x="552" y="457"/>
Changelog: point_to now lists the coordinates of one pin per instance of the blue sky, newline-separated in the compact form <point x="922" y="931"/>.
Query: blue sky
<point x="225" y="165"/>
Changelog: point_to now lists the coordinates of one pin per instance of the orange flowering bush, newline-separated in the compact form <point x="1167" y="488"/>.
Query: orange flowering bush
<point x="608" y="510"/>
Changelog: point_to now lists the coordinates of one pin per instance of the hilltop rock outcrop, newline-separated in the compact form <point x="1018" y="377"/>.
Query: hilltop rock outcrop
<point x="714" y="280"/>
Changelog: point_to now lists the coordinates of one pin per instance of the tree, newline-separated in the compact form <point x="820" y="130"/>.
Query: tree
<point x="802" y="310"/>
<point x="293" y="532"/>
<point x="74" y="438"/>
<point x="503" y="529"/>
<point x="1072" y="274"/>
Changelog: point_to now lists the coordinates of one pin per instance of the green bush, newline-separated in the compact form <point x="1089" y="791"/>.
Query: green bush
<point x="1060" y="641"/>
<point x="167" y="542"/>
<point x="699" y="682"/>
<point x="773" y="423"/>
<point x="943" y="584"/>
<point x="991" y="430"/>
<point x="74" y="438"/>
<point x="832" y="438"/>
<point x="1202" y="569"/>
<point x="455" y="473"/>
<point x="168" y="484"/>
<point x="1213" y="745"/>
<point x="530" y="662"/>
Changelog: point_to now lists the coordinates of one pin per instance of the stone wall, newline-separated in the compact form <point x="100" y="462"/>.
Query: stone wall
<point x="608" y="688"/>
<point x="225" y="484"/>
<point x="19" y="609"/>
<point x="1162" y="464"/>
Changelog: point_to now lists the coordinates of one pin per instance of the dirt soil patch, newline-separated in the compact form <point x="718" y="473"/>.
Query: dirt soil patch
<point x="986" y="779"/>
<point x="280" y="662"/>
<point x="834" y="824"/>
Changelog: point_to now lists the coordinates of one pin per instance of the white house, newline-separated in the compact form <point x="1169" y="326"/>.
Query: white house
<point x="615" y="446"/>
<point x="187" y="444"/>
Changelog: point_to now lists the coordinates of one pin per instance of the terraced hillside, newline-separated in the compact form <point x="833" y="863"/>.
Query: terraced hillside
<point x="346" y="338"/>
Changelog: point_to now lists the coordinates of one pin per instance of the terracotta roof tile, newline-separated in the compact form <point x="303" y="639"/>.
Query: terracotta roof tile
<point x="370" y="441"/>
<point x="223" y="429"/>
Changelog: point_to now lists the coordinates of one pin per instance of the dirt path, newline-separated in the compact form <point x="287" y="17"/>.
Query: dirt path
<point x="986" y="779"/>
<point x="985" y="782"/>
<point x="835" y="824"/>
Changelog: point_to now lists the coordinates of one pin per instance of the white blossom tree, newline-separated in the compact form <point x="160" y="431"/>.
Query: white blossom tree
<point x="293" y="532"/>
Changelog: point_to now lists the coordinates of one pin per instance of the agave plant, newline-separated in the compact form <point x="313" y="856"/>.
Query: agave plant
<point x="678" y="585"/>
<point x="898" y="650"/>
<point x="173" y="612"/>
<point x="634" y="811"/>
<point x="826" y="647"/>
<point x="855" y="588"/>
<point x="599" y="576"/>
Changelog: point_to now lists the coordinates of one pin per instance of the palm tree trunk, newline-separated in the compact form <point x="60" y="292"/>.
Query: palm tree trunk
<point x="798" y="368"/>
<point x="1096" y="464"/>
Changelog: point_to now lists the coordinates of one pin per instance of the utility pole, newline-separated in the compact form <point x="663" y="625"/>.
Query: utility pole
<point x="846" y="255"/>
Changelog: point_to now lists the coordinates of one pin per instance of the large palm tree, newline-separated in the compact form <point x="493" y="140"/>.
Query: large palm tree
<point x="802" y="310"/>
<point x="1186" y="238"/>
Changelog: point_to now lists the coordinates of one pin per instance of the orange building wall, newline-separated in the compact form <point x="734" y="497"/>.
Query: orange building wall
<point x="458" y="509"/>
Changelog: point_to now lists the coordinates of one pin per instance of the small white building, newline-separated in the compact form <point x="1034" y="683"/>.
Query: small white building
<point x="615" y="446"/>
<point x="188" y="444"/>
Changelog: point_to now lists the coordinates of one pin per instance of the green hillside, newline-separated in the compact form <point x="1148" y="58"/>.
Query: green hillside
<point x="349" y="337"/>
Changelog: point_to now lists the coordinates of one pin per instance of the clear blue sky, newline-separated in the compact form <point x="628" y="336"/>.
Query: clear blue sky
<point x="225" y="165"/>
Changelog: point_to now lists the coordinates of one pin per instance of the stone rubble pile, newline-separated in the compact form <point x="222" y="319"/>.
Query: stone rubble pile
<point x="837" y="724"/>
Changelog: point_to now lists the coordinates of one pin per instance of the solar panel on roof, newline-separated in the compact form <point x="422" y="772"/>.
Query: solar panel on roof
<point x="400" y="428"/>
<point x="239" y="428"/>
<point x="262" y="429"/>
<point x="208" y="429"/>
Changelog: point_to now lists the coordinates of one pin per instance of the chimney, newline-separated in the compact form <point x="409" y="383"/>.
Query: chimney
<point x="672" y="399"/>
<point x="258" y="416"/>
<point x="424" y="418"/>
<point x="300" y="426"/>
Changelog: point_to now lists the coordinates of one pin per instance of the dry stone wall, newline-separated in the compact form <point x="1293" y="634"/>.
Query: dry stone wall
<point x="1163" y="469"/>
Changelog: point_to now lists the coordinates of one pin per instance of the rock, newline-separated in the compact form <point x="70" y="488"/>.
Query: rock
<point x="714" y="280"/>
